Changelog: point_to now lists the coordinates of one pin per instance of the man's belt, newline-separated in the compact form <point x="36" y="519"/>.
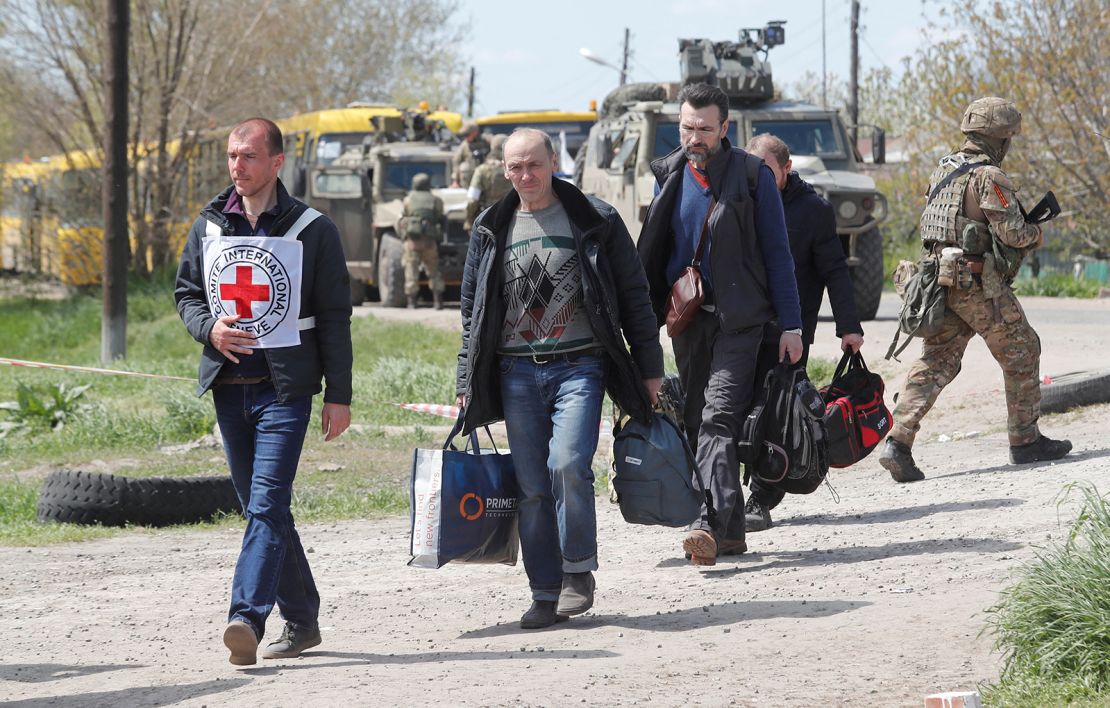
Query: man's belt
<point x="240" y="380"/>
<point x="549" y="357"/>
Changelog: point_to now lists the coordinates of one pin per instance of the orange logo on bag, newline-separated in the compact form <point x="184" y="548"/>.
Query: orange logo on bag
<point x="462" y="506"/>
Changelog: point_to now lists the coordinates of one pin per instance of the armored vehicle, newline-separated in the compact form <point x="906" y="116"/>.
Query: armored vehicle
<point x="639" y="123"/>
<point x="361" y="185"/>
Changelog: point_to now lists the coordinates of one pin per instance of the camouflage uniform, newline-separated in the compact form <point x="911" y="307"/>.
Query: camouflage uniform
<point x="469" y="154"/>
<point x="422" y="227"/>
<point x="489" y="182"/>
<point x="974" y="210"/>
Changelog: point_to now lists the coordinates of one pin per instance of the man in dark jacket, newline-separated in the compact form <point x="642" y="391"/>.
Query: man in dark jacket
<point x="263" y="285"/>
<point x="551" y="290"/>
<point x="818" y="262"/>
<point x="708" y="189"/>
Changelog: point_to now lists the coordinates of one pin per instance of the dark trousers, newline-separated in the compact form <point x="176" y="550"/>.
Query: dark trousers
<point x="718" y="374"/>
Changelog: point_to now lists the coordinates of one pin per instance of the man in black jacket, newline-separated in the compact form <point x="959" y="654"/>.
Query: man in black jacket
<point x="263" y="285"/>
<point x="551" y="290"/>
<point x="818" y="262"/>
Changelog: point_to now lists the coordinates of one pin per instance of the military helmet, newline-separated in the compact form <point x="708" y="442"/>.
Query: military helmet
<point x="993" y="117"/>
<point x="497" y="147"/>
<point x="421" y="181"/>
<point x="467" y="127"/>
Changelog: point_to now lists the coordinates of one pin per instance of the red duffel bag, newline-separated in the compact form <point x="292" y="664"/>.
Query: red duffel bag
<point x="856" y="417"/>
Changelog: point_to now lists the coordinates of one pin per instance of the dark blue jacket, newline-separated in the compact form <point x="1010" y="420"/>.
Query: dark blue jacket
<point x="819" y="260"/>
<point x="325" y="350"/>
<point x="614" y="293"/>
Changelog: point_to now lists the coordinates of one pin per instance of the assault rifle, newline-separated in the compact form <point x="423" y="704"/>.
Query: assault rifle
<point x="1045" y="210"/>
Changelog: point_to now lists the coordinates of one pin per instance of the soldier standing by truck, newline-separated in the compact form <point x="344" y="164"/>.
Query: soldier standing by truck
<point x="470" y="153"/>
<point x="973" y="213"/>
<point x="422" y="223"/>
<point x="489" y="182"/>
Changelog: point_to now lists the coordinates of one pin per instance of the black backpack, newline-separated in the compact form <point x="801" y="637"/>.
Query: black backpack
<point x="783" y="441"/>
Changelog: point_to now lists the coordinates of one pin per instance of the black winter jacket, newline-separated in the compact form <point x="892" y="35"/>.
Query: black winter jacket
<point x="818" y="259"/>
<point x="324" y="350"/>
<point x="740" y="285"/>
<point x="614" y="294"/>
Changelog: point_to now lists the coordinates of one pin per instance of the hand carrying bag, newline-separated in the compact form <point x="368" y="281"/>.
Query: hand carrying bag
<point x="856" y="416"/>
<point x="464" y="505"/>
<point x="654" y="473"/>
<point x="687" y="294"/>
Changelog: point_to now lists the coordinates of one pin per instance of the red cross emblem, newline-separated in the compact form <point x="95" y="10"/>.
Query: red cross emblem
<point x="244" y="291"/>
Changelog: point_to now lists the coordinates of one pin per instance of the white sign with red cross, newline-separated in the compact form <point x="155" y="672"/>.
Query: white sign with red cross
<point x="258" y="279"/>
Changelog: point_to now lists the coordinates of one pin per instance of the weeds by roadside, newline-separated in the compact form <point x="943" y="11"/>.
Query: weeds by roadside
<point x="1053" y="624"/>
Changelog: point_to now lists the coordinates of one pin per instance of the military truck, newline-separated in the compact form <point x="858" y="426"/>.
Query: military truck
<point x="362" y="188"/>
<point x="639" y="123"/>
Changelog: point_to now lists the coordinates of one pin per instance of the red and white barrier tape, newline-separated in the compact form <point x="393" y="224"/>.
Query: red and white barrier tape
<point x="87" y="369"/>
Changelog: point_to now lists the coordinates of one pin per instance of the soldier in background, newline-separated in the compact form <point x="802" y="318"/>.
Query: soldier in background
<point x="422" y="224"/>
<point x="973" y="205"/>
<point x="489" y="182"/>
<point x="471" y="152"/>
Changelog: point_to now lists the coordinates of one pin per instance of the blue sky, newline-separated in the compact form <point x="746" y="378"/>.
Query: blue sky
<point x="526" y="53"/>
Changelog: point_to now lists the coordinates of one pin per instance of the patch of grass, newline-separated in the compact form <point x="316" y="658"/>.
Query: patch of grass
<point x="1058" y="285"/>
<point x="1053" y="624"/>
<point x="820" y="370"/>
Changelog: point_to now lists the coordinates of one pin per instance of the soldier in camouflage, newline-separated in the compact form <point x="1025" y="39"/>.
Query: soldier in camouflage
<point x="422" y="220"/>
<point x="973" y="205"/>
<point x="470" y="153"/>
<point x="489" y="182"/>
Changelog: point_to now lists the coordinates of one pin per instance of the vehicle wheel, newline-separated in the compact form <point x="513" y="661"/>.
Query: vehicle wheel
<point x="391" y="271"/>
<point x="358" y="292"/>
<point x="1081" y="388"/>
<point x="867" y="277"/>
<point x="76" y="497"/>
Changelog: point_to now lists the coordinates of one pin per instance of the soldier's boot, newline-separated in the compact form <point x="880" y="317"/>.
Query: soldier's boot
<point x="1043" y="450"/>
<point x="437" y="298"/>
<point x="898" y="460"/>
<point x="412" y="302"/>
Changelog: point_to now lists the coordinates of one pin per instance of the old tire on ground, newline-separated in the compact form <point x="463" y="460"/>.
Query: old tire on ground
<point x="868" y="277"/>
<point x="164" y="501"/>
<point x="76" y="497"/>
<point x="1080" y="388"/>
<point x="391" y="271"/>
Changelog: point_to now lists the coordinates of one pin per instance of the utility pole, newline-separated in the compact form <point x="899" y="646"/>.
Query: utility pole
<point x="824" y="72"/>
<point x="853" y="107"/>
<point x="117" y="249"/>
<point x="470" y="96"/>
<point x="626" y="55"/>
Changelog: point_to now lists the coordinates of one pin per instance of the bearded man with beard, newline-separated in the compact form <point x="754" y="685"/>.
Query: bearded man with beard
<point x="716" y="195"/>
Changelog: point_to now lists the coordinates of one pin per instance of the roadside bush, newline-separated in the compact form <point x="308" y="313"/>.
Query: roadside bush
<point x="1057" y="285"/>
<point x="52" y="405"/>
<point x="1053" y="624"/>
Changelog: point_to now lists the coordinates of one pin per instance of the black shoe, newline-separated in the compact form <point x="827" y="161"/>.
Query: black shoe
<point x="541" y="614"/>
<point x="898" y="460"/>
<point x="578" y="593"/>
<point x="1043" y="450"/>
<point x="294" y="640"/>
<point x="757" y="517"/>
<point x="731" y="547"/>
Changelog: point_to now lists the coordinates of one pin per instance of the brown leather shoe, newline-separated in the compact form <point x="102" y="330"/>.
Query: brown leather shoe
<point x="240" y="638"/>
<point x="701" y="546"/>
<point x="732" y="547"/>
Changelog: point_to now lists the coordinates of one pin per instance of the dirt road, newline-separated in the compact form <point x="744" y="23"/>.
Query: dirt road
<point x="875" y="596"/>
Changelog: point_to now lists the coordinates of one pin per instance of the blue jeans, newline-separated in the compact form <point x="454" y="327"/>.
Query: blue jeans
<point x="552" y="412"/>
<point x="263" y="439"/>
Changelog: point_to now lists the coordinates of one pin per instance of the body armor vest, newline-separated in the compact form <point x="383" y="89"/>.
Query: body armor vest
<point x="423" y="219"/>
<point x="943" y="220"/>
